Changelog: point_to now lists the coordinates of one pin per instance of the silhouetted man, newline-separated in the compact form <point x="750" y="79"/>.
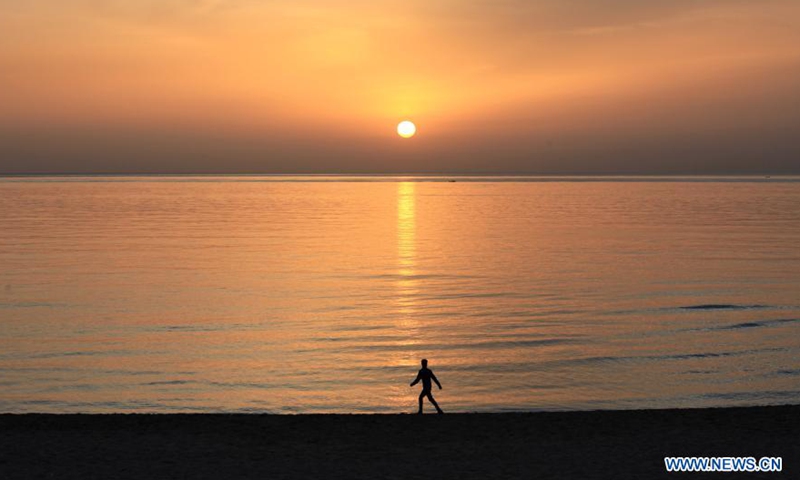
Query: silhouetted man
<point x="426" y="376"/>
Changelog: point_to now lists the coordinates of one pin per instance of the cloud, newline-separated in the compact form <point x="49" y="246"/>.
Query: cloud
<point x="324" y="70"/>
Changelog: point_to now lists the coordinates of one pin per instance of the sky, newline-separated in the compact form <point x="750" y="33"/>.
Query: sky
<point x="318" y="86"/>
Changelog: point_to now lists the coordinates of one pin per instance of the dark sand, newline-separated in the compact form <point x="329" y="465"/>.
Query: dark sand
<point x="571" y="445"/>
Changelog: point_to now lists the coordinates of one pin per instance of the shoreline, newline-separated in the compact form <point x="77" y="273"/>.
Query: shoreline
<point x="429" y="411"/>
<point x="595" y="444"/>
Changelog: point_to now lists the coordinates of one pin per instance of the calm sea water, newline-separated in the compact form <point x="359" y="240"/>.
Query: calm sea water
<point x="321" y="294"/>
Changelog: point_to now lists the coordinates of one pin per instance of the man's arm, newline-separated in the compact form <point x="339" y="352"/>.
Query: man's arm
<point x="416" y="381"/>
<point x="433" y="377"/>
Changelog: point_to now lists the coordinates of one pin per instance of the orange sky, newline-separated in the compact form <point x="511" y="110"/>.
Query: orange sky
<point x="552" y="86"/>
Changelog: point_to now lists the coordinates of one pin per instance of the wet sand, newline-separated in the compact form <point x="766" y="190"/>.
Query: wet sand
<point x="564" y="445"/>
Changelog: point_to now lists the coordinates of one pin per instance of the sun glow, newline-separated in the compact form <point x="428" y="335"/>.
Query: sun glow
<point x="406" y="129"/>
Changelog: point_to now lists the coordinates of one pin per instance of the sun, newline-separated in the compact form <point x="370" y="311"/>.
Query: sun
<point x="406" y="129"/>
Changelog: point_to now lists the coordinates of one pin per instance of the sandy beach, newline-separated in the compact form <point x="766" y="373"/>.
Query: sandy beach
<point x="579" y="445"/>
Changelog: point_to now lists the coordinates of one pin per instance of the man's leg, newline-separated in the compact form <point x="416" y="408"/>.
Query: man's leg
<point x="430" y="397"/>
<point x="421" y="395"/>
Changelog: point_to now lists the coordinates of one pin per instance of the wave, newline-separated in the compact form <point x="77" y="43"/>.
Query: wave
<point x="704" y="307"/>
<point x="757" y="324"/>
<point x="168" y="382"/>
<point x="205" y="327"/>
<point x="490" y="344"/>
<point x="667" y="357"/>
<point x="34" y="305"/>
<point x="724" y="306"/>
<point x="755" y="395"/>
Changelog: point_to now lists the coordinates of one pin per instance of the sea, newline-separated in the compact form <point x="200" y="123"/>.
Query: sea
<point x="321" y="294"/>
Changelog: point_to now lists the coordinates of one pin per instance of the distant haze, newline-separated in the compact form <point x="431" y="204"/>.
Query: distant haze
<point x="501" y="86"/>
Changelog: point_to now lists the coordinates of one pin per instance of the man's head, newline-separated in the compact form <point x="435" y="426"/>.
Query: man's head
<point x="424" y="363"/>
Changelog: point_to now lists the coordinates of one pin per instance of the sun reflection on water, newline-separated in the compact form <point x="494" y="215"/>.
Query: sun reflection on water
<point x="407" y="281"/>
<point x="406" y="230"/>
<point x="407" y="290"/>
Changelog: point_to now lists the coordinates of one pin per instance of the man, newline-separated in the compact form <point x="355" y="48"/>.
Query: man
<point x="426" y="376"/>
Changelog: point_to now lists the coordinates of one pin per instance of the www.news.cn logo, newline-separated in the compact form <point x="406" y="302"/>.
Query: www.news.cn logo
<point x="723" y="464"/>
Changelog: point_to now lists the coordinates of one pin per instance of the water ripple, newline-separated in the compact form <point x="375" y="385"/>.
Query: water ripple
<point x="723" y="306"/>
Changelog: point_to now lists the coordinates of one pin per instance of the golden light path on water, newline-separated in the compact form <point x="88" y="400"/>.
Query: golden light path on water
<point x="406" y="251"/>
<point x="407" y="284"/>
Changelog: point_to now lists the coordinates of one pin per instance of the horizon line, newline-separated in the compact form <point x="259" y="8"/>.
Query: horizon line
<point x="386" y="174"/>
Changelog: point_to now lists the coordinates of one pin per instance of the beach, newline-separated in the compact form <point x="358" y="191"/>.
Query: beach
<point x="565" y="445"/>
